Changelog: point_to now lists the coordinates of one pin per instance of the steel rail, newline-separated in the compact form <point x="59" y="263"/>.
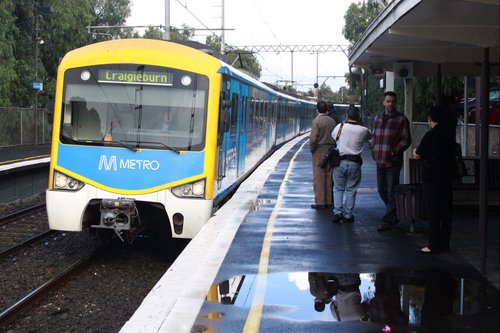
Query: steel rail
<point x="10" y="313"/>
<point x="26" y="243"/>
<point x="8" y="218"/>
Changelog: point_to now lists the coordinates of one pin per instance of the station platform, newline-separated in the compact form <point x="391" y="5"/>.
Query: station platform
<point x="16" y="157"/>
<point x="267" y="262"/>
<point x="24" y="171"/>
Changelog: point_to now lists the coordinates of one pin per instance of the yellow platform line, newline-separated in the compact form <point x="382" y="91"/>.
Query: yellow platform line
<point x="24" y="159"/>
<point x="252" y="323"/>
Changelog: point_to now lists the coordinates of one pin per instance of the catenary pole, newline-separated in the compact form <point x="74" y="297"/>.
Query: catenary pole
<point x="166" y="34"/>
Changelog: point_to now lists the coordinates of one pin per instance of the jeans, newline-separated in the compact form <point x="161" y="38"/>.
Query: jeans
<point x="387" y="181"/>
<point x="346" y="179"/>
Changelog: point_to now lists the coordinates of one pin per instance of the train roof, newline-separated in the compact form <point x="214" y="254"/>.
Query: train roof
<point x="202" y="47"/>
<point x="192" y="56"/>
<point x="137" y="50"/>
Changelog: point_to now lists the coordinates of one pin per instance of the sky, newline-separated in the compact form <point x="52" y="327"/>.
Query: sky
<point x="265" y="22"/>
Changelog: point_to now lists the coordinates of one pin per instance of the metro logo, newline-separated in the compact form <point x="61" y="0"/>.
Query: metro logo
<point x="107" y="165"/>
<point x="129" y="164"/>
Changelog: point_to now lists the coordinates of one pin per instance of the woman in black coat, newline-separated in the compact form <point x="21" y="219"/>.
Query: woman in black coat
<point x="436" y="150"/>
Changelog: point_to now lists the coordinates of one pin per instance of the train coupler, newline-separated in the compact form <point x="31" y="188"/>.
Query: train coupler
<point x="117" y="214"/>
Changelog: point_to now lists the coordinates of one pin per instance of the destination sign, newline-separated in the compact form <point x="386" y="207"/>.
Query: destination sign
<point x="133" y="77"/>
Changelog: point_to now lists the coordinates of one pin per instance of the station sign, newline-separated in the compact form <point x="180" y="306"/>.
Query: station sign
<point x="37" y="86"/>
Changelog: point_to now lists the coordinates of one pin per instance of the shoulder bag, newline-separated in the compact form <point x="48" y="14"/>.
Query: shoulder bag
<point x="332" y="155"/>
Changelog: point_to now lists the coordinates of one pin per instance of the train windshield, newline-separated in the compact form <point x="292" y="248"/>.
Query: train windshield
<point x="135" y="106"/>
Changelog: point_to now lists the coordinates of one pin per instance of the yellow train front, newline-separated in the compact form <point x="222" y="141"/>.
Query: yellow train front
<point x="152" y="135"/>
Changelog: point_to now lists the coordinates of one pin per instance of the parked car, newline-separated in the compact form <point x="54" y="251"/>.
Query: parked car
<point x="494" y="108"/>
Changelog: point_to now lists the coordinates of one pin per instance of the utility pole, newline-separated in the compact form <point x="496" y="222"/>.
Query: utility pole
<point x="37" y="86"/>
<point x="166" y="34"/>
<point x="222" y="35"/>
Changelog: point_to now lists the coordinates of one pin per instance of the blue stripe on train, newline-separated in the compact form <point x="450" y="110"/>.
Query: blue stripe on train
<point x="121" y="168"/>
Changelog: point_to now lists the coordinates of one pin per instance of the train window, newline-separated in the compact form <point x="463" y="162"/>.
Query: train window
<point x="234" y="110"/>
<point x="244" y="114"/>
<point x="251" y="116"/>
<point x="118" y="108"/>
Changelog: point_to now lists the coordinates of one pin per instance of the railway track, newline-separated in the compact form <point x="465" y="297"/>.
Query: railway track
<point x="25" y="243"/>
<point x="98" y="294"/>
<point x="12" y="311"/>
<point x="20" y="213"/>
<point x="22" y="227"/>
<point x="70" y="278"/>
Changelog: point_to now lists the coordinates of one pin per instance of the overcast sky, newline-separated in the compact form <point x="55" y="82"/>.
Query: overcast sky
<point x="265" y="22"/>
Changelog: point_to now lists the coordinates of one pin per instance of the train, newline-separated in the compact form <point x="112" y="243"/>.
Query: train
<point x="153" y="136"/>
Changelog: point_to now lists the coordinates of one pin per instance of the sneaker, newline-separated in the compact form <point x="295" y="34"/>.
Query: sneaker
<point x="318" y="206"/>
<point x="384" y="226"/>
<point x="349" y="219"/>
<point x="337" y="218"/>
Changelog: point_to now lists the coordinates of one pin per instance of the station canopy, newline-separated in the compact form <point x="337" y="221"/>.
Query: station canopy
<point x="416" y="35"/>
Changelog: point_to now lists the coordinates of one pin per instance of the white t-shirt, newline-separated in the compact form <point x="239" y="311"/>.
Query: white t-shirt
<point x="351" y="138"/>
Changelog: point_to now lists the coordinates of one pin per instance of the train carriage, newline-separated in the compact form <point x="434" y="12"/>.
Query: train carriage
<point x="150" y="134"/>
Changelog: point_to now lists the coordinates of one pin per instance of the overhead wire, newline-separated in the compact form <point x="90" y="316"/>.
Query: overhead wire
<point x="197" y="19"/>
<point x="273" y="35"/>
<point x="265" y="22"/>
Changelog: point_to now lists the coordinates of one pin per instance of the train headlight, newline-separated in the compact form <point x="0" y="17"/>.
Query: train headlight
<point x="191" y="190"/>
<point x="63" y="182"/>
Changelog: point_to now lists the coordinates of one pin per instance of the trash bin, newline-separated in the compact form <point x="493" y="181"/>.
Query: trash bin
<point x="410" y="204"/>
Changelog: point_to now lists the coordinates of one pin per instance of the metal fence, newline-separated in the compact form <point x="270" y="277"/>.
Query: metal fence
<point x="472" y="150"/>
<point x="17" y="127"/>
<point x="469" y="136"/>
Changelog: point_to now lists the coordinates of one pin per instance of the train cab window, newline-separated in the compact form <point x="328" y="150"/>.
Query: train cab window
<point x="145" y="106"/>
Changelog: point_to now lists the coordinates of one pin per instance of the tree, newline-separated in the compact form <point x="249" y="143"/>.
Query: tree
<point x="8" y="31"/>
<point x="61" y="31"/>
<point x="153" y="33"/>
<point x="181" y="34"/>
<point x="325" y="93"/>
<point x="64" y="30"/>
<point x="110" y="13"/>
<point x="238" y="58"/>
<point x="358" y="18"/>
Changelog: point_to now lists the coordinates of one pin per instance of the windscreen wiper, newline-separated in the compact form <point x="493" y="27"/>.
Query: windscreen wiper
<point x="161" y="144"/>
<point x="124" y="144"/>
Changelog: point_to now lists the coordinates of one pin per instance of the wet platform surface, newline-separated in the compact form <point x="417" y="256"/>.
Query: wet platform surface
<point x="284" y="255"/>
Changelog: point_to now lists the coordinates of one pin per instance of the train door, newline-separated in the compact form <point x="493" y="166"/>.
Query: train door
<point x="242" y="128"/>
<point x="232" y="145"/>
<point x="281" y="122"/>
<point x="274" y="120"/>
<point x="223" y="134"/>
<point x="228" y="146"/>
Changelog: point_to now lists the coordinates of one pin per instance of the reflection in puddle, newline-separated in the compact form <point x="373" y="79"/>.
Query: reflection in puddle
<point x="257" y="204"/>
<point x="395" y="297"/>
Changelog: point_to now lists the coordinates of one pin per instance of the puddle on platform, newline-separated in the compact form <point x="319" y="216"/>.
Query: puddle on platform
<point x="259" y="203"/>
<point x="395" y="296"/>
